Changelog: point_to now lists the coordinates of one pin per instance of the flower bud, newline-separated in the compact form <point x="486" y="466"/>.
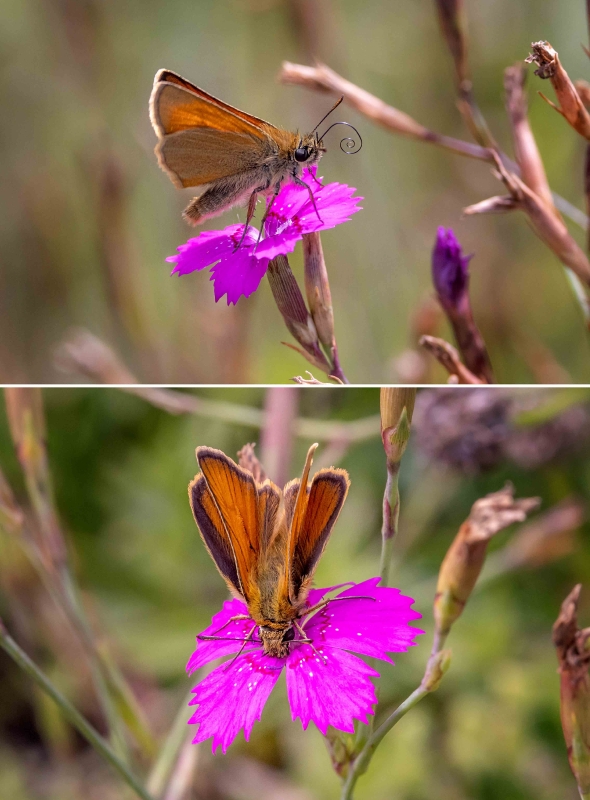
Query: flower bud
<point x="248" y="460"/>
<point x="317" y="288"/>
<point x="397" y="407"/>
<point x="291" y="304"/>
<point x="465" y="558"/>
<point x="573" y="655"/>
<point x="450" y="270"/>
<point x="570" y="105"/>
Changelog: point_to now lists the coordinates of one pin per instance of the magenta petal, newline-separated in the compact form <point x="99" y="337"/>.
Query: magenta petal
<point x="371" y="627"/>
<point x="329" y="687"/>
<point x="208" y="247"/>
<point x="233" y="634"/>
<point x="232" y="698"/>
<point x="238" y="275"/>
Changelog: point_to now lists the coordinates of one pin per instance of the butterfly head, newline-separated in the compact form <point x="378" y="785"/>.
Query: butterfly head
<point x="275" y="641"/>
<point x="309" y="150"/>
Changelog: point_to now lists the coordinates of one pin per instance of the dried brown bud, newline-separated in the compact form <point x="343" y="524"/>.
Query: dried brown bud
<point x="247" y="459"/>
<point x="549" y="536"/>
<point x="570" y="106"/>
<point x="291" y="304"/>
<point x="573" y="655"/>
<point x="465" y="558"/>
<point x="317" y="289"/>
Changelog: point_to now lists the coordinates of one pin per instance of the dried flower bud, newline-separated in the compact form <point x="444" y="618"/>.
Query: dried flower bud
<point x="248" y="460"/>
<point x="291" y="304"/>
<point x="573" y="655"/>
<point x="465" y="558"/>
<point x="546" y="538"/>
<point x="317" y="288"/>
<point x="570" y="106"/>
<point x="397" y="407"/>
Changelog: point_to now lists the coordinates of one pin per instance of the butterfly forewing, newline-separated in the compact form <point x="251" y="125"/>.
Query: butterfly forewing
<point x="311" y="511"/>
<point x="214" y="533"/>
<point x="166" y="76"/>
<point x="325" y="498"/>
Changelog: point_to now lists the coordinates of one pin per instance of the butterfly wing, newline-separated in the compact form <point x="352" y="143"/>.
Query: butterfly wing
<point x="311" y="512"/>
<point x="239" y="517"/>
<point x="201" y="139"/>
<point x="201" y="156"/>
<point x="167" y="76"/>
<point x="214" y="533"/>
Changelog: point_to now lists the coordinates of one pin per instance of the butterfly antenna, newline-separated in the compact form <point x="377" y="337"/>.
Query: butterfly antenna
<point x="335" y="106"/>
<point x="348" y="144"/>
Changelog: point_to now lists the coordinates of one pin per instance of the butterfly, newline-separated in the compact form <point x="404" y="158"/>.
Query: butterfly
<point x="266" y="542"/>
<point x="231" y="155"/>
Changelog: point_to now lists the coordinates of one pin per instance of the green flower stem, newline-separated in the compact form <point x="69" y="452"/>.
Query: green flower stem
<point x="437" y="665"/>
<point x="100" y="744"/>
<point x="388" y="532"/>
<point x="390" y="520"/>
<point x="361" y="762"/>
<point x="170" y="750"/>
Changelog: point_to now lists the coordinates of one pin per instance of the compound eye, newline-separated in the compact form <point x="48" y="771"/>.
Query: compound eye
<point x="302" y="154"/>
<point x="289" y="635"/>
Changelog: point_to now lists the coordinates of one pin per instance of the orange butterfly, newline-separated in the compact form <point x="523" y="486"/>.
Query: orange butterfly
<point x="232" y="155"/>
<point x="265" y="542"/>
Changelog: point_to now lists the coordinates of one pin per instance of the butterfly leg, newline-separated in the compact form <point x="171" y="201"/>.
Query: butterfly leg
<point x="266" y="213"/>
<point x="250" y="213"/>
<point x="241" y="650"/>
<point x="299" y="182"/>
<point x="305" y="640"/>
<point x="324" y="603"/>
<point x="233" y="619"/>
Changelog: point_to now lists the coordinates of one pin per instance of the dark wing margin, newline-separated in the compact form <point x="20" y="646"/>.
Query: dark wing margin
<point x="325" y="499"/>
<point x="213" y="532"/>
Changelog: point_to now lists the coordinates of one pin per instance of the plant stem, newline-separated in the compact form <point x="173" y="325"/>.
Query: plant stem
<point x="71" y="713"/>
<point x="168" y="754"/>
<point x="390" y="519"/>
<point x="362" y="760"/>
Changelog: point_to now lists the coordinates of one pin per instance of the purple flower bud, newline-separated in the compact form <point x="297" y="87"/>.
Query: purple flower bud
<point x="450" y="268"/>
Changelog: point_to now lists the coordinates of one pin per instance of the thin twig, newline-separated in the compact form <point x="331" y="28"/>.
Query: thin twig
<point x="87" y="355"/>
<point x="446" y="355"/>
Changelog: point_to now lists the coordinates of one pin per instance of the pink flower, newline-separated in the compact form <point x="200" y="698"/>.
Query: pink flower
<point x="326" y="684"/>
<point x="238" y="271"/>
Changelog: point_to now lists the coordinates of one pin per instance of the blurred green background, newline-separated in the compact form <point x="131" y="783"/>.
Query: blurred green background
<point x="120" y="469"/>
<point x="87" y="218"/>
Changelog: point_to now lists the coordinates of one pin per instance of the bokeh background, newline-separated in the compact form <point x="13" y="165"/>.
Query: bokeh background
<point x="120" y="467"/>
<point x="87" y="218"/>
